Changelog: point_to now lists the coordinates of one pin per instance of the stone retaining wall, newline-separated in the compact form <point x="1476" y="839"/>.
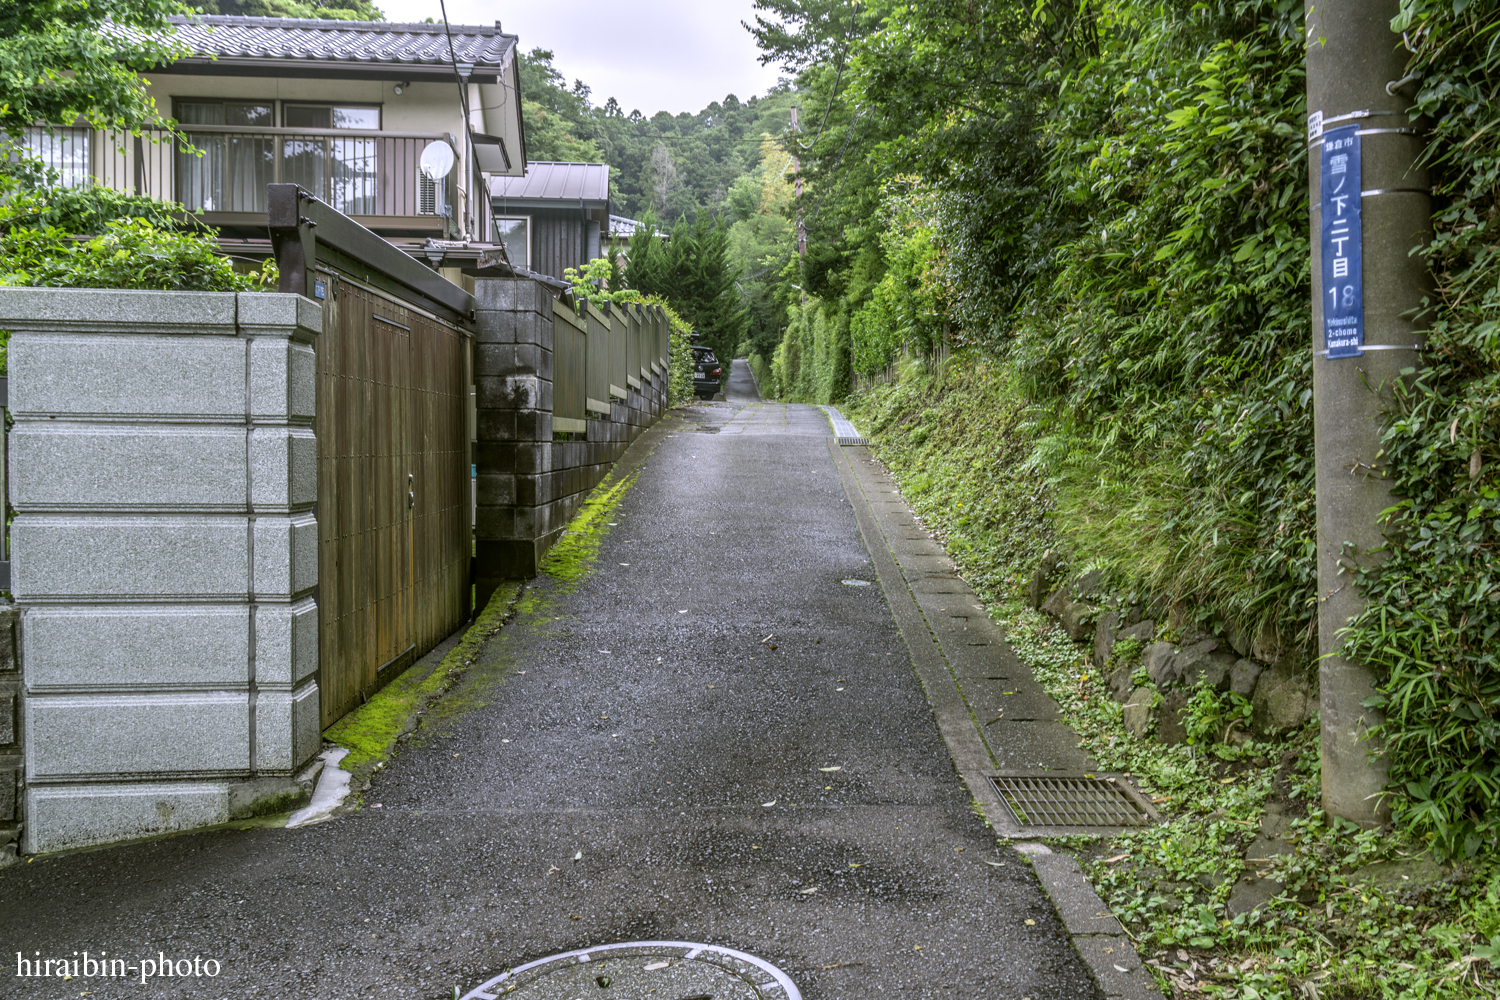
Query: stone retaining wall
<point x="164" y="557"/>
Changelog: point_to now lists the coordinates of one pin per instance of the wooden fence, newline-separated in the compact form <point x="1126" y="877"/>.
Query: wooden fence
<point x="622" y="346"/>
<point x="393" y="489"/>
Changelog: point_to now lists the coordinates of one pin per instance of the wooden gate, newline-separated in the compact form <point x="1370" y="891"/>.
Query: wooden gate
<point x="394" y="532"/>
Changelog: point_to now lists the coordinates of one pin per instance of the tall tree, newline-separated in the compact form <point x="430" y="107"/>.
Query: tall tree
<point x="327" y="10"/>
<point x="662" y="178"/>
<point x="63" y="61"/>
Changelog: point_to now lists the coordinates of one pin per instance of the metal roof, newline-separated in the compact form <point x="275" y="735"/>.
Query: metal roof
<point x="359" y="43"/>
<point x="548" y="181"/>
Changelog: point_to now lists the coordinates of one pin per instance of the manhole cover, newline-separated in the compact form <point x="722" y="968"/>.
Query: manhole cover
<point x="643" y="970"/>
<point x="1073" y="800"/>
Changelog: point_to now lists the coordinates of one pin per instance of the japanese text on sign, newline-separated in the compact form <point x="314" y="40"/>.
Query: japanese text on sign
<point x="1343" y="281"/>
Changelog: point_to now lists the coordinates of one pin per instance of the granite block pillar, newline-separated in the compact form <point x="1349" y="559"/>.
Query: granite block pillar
<point x="164" y="554"/>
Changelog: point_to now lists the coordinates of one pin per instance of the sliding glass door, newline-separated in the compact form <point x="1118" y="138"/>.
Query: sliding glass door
<point x="341" y="170"/>
<point x="225" y="172"/>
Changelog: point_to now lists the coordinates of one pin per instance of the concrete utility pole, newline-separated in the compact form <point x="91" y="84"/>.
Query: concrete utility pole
<point x="1370" y="207"/>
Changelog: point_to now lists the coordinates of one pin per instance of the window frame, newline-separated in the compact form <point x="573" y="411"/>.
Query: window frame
<point x="269" y="102"/>
<point x="330" y="105"/>
<point x="497" y="219"/>
<point x="80" y="134"/>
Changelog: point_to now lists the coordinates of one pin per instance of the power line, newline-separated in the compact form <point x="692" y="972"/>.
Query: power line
<point x="458" y="80"/>
<point x="848" y="40"/>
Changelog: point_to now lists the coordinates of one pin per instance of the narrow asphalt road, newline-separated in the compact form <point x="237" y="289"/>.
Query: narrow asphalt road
<point x="715" y="737"/>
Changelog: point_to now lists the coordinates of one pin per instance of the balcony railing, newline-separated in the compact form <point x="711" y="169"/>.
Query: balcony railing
<point x="224" y="171"/>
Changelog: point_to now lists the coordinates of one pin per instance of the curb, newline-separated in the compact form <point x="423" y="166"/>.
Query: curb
<point x="1097" y="936"/>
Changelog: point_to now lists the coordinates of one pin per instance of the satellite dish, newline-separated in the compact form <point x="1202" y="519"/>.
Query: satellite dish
<point x="437" y="160"/>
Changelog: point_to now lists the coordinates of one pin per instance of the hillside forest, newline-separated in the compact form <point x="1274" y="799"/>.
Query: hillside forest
<point x="1057" y="264"/>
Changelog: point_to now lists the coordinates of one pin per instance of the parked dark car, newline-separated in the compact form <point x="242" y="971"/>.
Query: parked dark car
<point x="707" y="373"/>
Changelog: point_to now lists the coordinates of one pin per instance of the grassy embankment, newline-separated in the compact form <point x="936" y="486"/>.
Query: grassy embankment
<point x="1357" y="913"/>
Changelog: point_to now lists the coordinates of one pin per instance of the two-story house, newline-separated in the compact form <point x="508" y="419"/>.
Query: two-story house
<point x="350" y="110"/>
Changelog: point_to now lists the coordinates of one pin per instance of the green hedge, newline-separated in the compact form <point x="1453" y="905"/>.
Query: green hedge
<point x="1121" y="246"/>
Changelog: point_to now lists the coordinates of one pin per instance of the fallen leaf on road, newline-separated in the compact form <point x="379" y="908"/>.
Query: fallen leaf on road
<point x="1031" y="923"/>
<point x="768" y="638"/>
<point x="769" y="804"/>
<point x="683" y="611"/>
<point x="657" y="965"/>
<point x="505" y="741"/>
<point x="574" y="916"/>
<point x="840" y="965"/>
<point x="614" y="736"/>
<point x="860" y="865"/>
<point x="994" y="720"/>
<point x="826" y="769"/>
<point x="996" y="864"/>
<point x="809" y="892"/>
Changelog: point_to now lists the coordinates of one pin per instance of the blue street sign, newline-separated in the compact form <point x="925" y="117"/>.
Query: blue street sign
<point x="1343" y="279"/>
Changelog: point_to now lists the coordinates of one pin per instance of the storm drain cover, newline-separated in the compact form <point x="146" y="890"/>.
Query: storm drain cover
<point x="643" y="970"/>
<point x="1077" y="800"/>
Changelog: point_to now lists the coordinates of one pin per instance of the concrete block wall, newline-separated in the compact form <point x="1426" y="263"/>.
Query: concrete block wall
<point x="164" y="555"/>
<point x="530" y="485"/>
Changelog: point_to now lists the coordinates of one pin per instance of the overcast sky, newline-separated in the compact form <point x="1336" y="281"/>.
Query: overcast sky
<point x="651" y="55"/>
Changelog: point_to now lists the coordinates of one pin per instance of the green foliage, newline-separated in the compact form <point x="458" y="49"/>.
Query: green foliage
<point x="83" y="211"/>
<point x="811" y="364"/>
<point x="63" y="65"/>
<point x="131" y="253"/>
<point x="969" y="475"/>
<point x="337" y="10"/>
<point x="907" y="308"/>
<point x="594" y="283"/>
<point x="762" y="239"/>
<point x="1432" y="627"/>
<point x="670" y="165"/>
<point x="694" y="272"/>
<point x="599" y="281"/>
<point x="1125" y="235"/>
<point x="1213" y="716"/>
<point x="1331" y="927"/>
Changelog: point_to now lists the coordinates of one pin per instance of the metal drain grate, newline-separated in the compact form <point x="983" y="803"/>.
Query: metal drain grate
<point x="1072" y="800"/>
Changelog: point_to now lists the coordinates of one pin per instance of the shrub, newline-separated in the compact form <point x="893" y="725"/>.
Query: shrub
<point x="130" y="253"/>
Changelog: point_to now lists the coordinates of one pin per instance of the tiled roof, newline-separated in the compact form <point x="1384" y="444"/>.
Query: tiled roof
<point x="624" y="227"/>
<point x="549" y="181"/>
<point x="359" y="42"/>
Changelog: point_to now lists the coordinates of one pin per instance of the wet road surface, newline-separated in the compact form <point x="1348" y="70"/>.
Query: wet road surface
<point x="730" y="736"/>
